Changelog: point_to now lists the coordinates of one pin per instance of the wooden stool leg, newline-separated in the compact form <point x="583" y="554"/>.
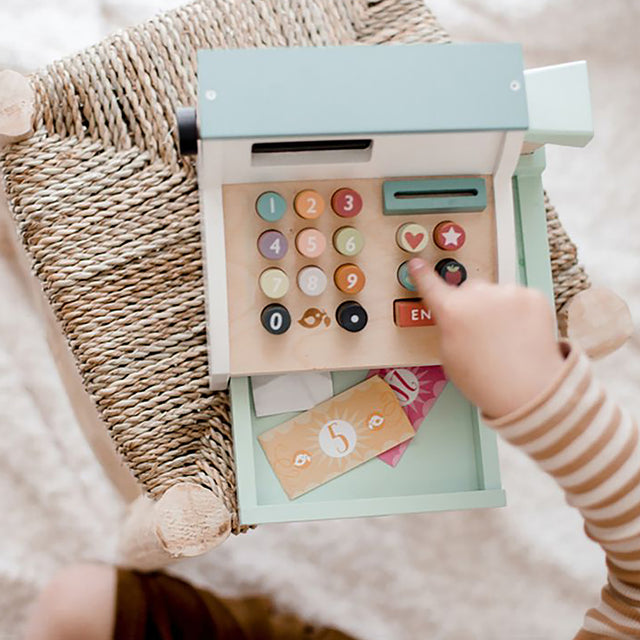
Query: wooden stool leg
<point x="186" y="521"/>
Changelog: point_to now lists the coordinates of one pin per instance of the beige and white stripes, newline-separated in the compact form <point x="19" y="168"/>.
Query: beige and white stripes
<point x="591" y="447"/>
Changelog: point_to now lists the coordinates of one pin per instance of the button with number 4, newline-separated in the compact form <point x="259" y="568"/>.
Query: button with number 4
<point x="309" y="204"/>
<point x="349" y="278"/>
<point x="348" y="241"/>
<point x="272" y="245"/>
<point x="312" y="281"/>
<point x="275" y="319"/>
<point x="274" y="283"/>
<point x="311" y="243"/>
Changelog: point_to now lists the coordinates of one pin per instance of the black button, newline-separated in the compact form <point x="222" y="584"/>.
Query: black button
<point x="351" y="316"/>
<point x="275" y="319"/>
<point x="451" y="271"/>
<point x="187" y="130"/>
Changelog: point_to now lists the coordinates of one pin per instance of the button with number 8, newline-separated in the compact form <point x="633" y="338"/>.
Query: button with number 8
<point x="312" y="281"/>
<point x="349" y="278"/>
<point x="272" y="245"/>
<point x="311" y="243"/>
<point x="274" y="283"/>
<point x="348" y="241"/>
<point x="309" y="204"/>
<point x="275" y="319"/>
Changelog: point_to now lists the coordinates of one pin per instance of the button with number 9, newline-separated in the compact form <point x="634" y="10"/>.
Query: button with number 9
<point x="311" y="243"/>
<point x="312" y="281"/>
<point x="272" y="245"/>
<point x="271" y="206"/>
<point x="309" y="204"/>
<point x="349" y="278"/>
<point x="347" y="203"/>
<point x="348" y="241"/>
<point x="274" y="283"/>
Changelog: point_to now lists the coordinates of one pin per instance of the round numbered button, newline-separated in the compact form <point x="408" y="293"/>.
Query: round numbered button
<point x="451" y="271"/>
<point x="351" y="316"/>
<point x="348" y="241"/>
<point x="274" y="283"/>
<point x="312" y="281"/>
<point x="272" y="245"/>
<point x="349" y="278"/>
<point x="347" y="203"/>
<point x="412" y="237"/>
<point x="271" y="206"/>
<point x="311" y="243"/>
<point x="449" y="236"/>
<point x="275" y="319"/>
<point x="309" y="204"/>
<point x="404" y="278"/>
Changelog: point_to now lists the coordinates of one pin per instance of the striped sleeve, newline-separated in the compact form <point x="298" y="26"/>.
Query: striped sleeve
<point x="591" y="447"/>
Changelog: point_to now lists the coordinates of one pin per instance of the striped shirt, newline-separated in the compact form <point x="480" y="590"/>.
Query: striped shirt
<point x="591" y="447"/>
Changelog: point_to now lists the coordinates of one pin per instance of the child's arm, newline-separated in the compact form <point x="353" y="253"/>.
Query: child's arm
<point x="498" y="347"/>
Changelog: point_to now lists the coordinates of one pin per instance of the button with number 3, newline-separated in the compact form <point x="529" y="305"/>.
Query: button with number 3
<point x="309" y="204"/>
<point x="275" y="319"/>
<point x="347" y="203"/>
<point x="272" y="245"/>
<point x="274" y="283"/>
<point x="311" y="243"/>
<point x="312" y="281"/>
<point x="349" y="278"/>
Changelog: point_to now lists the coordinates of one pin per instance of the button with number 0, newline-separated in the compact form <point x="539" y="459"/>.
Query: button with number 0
<point x="312" y="281"/>
<point x="347" y="203"/>
<point x="272" y="245"/>
<point x="274" y="283"/>
<point x="349" y="278"/>
<point x="271" y="206"/>
<point x="309" y="204"/>
<point x="348" y="241"/>
<point x="275" y="318"/>
<point x="311" y="243"/>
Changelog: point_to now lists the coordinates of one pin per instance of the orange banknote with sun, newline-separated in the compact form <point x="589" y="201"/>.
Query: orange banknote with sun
<point x="336" y="436"/>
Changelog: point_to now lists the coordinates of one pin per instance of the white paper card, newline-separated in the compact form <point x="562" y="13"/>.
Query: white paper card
<point x="290" y="392"/>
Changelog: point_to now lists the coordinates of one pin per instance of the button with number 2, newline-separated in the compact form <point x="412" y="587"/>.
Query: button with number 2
<point x="309" y="204"/>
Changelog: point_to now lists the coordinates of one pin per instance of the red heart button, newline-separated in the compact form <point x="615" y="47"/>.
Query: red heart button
<point x="413" y="239"/>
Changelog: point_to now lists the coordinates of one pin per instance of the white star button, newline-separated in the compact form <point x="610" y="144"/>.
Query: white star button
<point x="449" y="235"/>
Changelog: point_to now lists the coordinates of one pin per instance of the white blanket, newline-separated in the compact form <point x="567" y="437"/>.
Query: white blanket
<point x="487" y="575"/>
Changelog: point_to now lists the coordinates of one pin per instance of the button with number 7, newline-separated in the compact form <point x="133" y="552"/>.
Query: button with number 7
<point x="274" y="283"/>
<point x="349" y="278"/>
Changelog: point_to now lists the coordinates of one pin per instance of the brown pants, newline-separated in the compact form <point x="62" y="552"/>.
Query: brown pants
<point x="155" y="606"/>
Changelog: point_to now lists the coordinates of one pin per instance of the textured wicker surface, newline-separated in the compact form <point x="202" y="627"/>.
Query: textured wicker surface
<point x="108" y="213"/>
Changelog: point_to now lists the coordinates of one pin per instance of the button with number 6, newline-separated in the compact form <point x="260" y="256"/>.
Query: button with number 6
<point x="272" y="245"/>
<point x="274" y="283"/>
<point x="275" y="318"/>
<point x="349" y="278"/>
<point x="312" y="281"/>
<point x="348" y="241"/>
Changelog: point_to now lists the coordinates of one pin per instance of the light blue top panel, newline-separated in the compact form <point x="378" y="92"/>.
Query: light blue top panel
<point x="359" y="90"/>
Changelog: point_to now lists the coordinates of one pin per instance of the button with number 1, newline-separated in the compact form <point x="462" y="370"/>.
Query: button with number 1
<point x="271" y="206"/>
<point x="349" y="278"/>
<point x="274" y="283"/>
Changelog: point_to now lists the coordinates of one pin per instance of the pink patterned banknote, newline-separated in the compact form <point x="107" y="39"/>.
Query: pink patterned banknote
<point x="417" y="389"/>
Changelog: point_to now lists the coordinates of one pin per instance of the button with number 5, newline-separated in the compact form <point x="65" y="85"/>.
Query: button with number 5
<point x="347" y="203"/>
<point x="275" y="318"/>
<point x="311" y="243"/>
<point x="274" y="283"/>
<point x="349" y="278"/>
<point x="272" y="245"/>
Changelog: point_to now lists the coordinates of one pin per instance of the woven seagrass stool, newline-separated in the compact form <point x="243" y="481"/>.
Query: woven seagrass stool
<point x="106" y="214"/>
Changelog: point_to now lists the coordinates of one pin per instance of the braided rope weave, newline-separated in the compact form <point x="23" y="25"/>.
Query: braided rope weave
<point x="108" y="213"/>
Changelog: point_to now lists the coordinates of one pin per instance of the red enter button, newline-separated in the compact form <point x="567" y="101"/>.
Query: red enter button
<point x="411" y="313"/>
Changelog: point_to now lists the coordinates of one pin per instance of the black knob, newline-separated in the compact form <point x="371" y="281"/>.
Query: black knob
<point x="275" y="319"/>
<point x="351" y="316"/>
<point x="187" y="130"/>
<point x="451" y="271"/>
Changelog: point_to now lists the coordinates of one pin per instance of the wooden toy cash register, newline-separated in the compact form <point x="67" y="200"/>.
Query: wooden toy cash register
<point x="322" y="172"/>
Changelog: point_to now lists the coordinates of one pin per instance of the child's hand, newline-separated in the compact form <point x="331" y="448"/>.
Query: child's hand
<point x="497" y="342"/>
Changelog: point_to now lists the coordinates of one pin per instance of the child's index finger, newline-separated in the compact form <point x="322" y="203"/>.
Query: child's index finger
<point x="431" y="287"/>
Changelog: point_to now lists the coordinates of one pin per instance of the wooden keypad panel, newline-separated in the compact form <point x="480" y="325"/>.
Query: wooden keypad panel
<point x="317" y="276"/>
